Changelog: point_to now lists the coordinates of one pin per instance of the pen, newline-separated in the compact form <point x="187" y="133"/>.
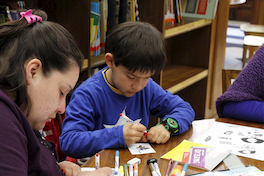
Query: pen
<point x="175" y="163"/>
<point x="126" y="170"/>
<point x="116" y="162"/>
<point x="129" y="120"/>
<point x="130" y="170"/>
<point x="97" y="161"/>
<point x="168" y="167"/>
<point x="157" y="168"/>
<point x="135" y="169"/>
<point x="121" y="171"/>
<point x="184" y="169"/>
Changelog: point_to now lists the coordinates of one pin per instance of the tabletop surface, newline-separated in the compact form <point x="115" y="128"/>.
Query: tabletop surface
<point x="196" y="130"/>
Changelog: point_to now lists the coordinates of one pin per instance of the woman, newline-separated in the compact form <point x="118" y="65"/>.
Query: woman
<point x="39" y="64"/>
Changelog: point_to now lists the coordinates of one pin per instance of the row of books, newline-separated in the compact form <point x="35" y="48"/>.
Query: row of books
<point x="175" y="10"/>
<point x="98" y="22"/>
<point x="7" y="14"/>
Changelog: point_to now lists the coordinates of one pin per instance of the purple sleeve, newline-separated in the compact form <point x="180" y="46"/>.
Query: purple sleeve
<point x="252" y="111"/>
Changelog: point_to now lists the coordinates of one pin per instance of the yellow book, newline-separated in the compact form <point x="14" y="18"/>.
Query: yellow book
<point x="198" y="155"/>
<point x="177" y="152"/>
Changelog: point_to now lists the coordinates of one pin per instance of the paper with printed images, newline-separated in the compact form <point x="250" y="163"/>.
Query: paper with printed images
<point x="140" y="148"/>
<point x="242" y="140"/>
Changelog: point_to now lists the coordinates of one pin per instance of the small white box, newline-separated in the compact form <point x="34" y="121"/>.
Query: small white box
<point x="134" y="161"/>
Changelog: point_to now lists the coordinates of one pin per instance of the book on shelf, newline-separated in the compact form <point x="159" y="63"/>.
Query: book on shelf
<point x="130" y="14"/>
<point x="6" y="13"/>
<point x="95" y="14"/>
<point x="199" y="8"/>
<point x="197" y="155"/>
<point x="170" y="12"/>
<point x="103" y="24"/>
<point x="130" y="10"/>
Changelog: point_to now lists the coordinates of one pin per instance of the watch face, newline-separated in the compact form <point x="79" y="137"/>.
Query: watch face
<point x="172" y="123"/>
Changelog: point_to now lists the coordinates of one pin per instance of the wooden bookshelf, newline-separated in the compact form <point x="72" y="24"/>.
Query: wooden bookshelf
<point x="195" y="48"/>
<point x="195" y="55"/>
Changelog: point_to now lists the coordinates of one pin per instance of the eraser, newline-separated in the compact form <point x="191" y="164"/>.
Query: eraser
<point x="134" y="161"/>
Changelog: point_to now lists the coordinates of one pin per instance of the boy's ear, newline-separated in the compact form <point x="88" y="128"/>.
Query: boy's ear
<point x="32" y="68"/>
<point x="109" y="60"/>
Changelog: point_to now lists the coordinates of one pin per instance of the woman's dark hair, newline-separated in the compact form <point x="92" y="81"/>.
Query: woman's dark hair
<point x="51" y="43"/>
<point x="137" y="46"/>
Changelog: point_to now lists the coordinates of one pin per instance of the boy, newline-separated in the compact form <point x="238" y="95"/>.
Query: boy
<point x="134" y="52"/>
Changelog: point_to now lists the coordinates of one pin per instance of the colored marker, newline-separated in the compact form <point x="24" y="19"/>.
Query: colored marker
<point x="176" y="171"/>
<point x="135" y="169"/>
<point x="126" y="169"/>
<point x="129" y="120"/>
<point x="131" y="170"/>
<point x="169" y="167"/>
<point x="152" y="169"/>
<point x="184" y="169"/>
<point x="121" y="169"/>
<point x="116" y="162"/>
<point x="175" y="163"/>
<point x="156" y="166"/>
<point x="97" y="161"/>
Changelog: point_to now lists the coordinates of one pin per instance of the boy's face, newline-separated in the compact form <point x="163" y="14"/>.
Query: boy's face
<point x="128" y="82"/>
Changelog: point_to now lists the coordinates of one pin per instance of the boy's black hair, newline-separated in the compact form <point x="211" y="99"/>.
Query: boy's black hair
<point x="137" y="46"/>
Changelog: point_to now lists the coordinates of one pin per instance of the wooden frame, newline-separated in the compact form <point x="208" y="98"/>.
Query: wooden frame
<point x="227" y="76"/>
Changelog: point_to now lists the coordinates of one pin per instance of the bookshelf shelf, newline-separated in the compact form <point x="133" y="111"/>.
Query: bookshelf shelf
<point x="97" y="60"/>
<point x="188" y="24"/>
<point x="177" y="78"/>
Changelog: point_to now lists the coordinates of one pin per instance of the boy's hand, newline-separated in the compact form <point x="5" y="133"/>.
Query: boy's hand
<point x="133" y="133"/>
<point x="158" y="134"/>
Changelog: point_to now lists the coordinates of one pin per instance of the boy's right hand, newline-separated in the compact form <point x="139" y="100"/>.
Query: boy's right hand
<point x="133" y="133"/>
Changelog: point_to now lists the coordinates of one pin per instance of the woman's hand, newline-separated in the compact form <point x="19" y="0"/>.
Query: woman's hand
<point x="104" y="171"/>
<point x="69" y="168"/>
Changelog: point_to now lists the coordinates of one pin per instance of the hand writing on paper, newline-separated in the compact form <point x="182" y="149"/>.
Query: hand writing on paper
<point x="133" y="133"/>
<point x="158" y="134"/>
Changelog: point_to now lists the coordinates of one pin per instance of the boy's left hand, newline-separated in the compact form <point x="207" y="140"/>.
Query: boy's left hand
<point x="157" y="134"/>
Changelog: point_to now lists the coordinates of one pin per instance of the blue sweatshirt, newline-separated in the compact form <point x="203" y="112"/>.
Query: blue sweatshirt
<point x="92" y="120"/>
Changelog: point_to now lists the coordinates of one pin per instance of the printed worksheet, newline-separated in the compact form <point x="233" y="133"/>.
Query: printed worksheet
<point x="140" y="148"/>
<point x="244" y="141"/>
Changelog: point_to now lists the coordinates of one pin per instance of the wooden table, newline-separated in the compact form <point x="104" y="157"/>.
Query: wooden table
<point x="198" y="128"/>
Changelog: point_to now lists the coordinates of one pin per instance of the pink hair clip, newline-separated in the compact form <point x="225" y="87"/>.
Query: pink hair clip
<point x="30" y="17"/>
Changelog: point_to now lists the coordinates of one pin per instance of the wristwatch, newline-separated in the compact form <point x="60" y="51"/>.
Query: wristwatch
<point x="170" y="124"/>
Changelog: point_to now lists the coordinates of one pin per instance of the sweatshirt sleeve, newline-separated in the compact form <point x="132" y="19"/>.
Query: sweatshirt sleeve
<point x="252" y="111"/>
<point x="13" y="150"/>
<point x="83" y="134"/>
<point x="167" y="105"/>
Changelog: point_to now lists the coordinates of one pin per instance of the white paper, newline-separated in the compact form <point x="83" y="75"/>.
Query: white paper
<point x="140" y="148"/>
<point x="242" y="140"/>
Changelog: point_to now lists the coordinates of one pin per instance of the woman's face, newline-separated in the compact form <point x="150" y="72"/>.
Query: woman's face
<point x="48" y="94"/>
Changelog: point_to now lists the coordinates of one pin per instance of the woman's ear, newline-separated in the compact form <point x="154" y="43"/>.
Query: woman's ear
<point x="109" y="60"/>
<point x="33" y="68"/>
